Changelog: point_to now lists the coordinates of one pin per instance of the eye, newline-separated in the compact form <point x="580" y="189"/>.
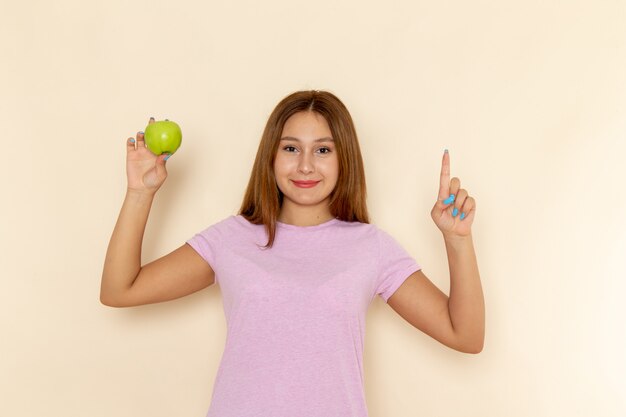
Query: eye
<point x="327" y="150"/>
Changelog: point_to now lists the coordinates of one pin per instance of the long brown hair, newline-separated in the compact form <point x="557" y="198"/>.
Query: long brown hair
<point x="263" y="199"/>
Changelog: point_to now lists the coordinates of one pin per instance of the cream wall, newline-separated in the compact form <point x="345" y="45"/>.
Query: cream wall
<point x="529" y="96"/>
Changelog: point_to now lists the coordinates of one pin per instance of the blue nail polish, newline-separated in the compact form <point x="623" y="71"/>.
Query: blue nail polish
<point x="141" y="132"/>
<point x="462" y="216"/>
<point x="132" y="141"/>
<point x="167" y="157"/>
<point x="455" y="212"/>
<point x="449" y="199"/>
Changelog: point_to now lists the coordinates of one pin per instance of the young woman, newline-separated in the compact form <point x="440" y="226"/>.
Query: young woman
<point x="298" y="266"/>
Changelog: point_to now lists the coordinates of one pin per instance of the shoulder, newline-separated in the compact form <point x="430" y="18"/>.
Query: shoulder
<point x="225" y="227"/>
<point x="387" y="242"/>
<point x="365" y="237"/>
<point x="366" y="230"/>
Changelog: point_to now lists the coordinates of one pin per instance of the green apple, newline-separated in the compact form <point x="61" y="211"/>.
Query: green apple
<point x="163" y="137"/>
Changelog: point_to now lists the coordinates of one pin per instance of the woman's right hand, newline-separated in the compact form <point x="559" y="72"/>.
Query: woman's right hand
<point x="145" y="171"/>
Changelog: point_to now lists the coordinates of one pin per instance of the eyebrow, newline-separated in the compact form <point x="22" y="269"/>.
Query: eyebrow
<point x="326" y="139"/>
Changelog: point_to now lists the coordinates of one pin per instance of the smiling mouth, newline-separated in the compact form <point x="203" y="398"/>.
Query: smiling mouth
<point x="305" y="184"/>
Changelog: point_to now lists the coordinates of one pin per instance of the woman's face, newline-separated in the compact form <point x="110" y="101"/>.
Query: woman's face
<point x="302" y="156"/>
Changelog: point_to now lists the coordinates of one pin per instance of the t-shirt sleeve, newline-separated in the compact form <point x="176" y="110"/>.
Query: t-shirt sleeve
<point x="395" y="265"/>
<point x="207" y="243"/>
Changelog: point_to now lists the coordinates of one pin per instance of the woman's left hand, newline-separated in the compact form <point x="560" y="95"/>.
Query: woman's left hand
<point x="454" y="210"/>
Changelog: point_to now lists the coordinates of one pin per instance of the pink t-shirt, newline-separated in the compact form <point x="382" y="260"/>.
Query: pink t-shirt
<point x="295" y="314"/>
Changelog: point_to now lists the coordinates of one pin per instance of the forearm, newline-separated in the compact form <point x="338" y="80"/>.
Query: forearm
<point x="123" y="258"/>
<point x="466" y="303"/>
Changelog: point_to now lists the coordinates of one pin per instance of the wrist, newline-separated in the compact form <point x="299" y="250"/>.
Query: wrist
<point x="140" y="196"/>
<point x="453" y="239"/>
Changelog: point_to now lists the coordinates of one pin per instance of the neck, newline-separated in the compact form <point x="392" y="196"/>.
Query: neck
<point x="305" y="219"/>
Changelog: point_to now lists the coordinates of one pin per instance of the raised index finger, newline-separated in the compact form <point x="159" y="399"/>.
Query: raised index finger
<point x="444" y="179"/>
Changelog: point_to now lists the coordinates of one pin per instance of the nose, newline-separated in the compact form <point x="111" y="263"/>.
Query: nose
<point x="305" y="164"/>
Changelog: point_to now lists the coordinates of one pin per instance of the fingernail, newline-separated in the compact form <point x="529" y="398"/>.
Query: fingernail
<point x="167" y="157"/>
<point x="449" y="199"/>
<point x="445" y="150"/>
<point x="140" y="132"/>
<point x="455" y="212"/>
<point x="132" y="141"/>
<point x="462" y="216"/>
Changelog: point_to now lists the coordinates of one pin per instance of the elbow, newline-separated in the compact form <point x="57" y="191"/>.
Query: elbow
<point x="106" y="302"/>
<point x="470" y="346"/>
<point x="111" y="296"/>
<point x="473" y="348"/>
<point x="109" y="301"/>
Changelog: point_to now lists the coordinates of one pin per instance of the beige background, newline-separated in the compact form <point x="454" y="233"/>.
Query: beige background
<point x="529" y="96"/>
